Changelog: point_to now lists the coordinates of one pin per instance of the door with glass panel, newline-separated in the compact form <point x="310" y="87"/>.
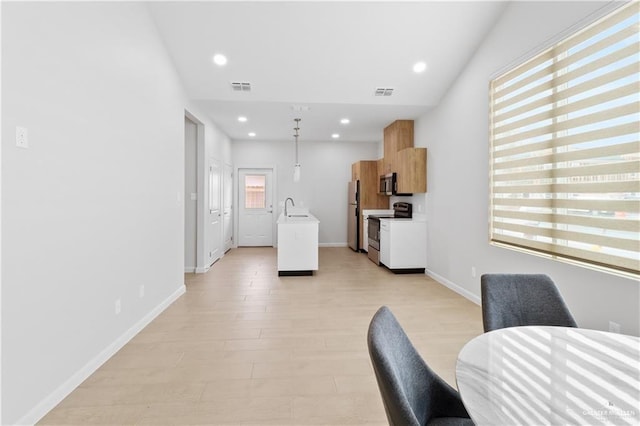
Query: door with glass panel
<point x="255" y="207"/>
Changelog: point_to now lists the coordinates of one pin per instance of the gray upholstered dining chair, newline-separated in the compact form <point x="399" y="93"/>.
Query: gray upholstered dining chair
<point x="511" y="300"/>
<point x="411" y="392"/>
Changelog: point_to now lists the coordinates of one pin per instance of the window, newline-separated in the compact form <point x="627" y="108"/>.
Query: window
<point x="254" y="192"/>
<point x="565" y="148"/>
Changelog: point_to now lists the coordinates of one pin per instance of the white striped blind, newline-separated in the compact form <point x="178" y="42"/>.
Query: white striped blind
<point x="565" y="148"/>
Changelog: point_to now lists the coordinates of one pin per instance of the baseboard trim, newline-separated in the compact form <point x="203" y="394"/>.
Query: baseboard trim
<point x="48" y="403"/>
<point x="332" y="245"/>
<point x="303" y="273"/>
<point x="455" y="287"/>
<point x="202" y="270"/>
<point x="189" y="269"/>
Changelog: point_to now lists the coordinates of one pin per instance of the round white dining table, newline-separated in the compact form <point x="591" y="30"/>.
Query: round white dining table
<point x="538" y="375"/>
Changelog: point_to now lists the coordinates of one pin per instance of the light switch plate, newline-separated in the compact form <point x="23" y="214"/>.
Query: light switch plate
<point x="22" y="137"/>
<point x="614" y="327"/>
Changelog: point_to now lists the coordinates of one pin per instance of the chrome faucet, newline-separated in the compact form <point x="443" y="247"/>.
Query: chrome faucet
<point x="285" y="205"/>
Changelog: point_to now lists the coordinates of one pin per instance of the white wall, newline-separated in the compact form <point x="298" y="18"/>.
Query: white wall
<point x="326" y="170"/>
<point x="94" y="208"/>
<point x="456" y="135"/>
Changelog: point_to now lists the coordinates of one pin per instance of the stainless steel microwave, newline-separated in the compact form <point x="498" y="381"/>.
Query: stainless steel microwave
<point x="388" y="184"/>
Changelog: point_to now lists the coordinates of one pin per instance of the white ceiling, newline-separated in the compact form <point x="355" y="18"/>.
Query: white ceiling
<point x="327" y="56"/>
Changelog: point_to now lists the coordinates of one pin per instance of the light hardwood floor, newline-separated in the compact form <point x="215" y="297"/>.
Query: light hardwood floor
<point x="244" y="346"/>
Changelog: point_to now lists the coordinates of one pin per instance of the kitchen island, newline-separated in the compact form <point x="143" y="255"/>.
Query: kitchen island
<point x="297" y="244"/>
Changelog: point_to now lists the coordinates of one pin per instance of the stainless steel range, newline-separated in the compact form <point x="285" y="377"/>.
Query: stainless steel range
<point x="401" y="210"/>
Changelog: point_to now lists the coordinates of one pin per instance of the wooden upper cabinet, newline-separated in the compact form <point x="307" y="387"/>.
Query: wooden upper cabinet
<point x="397" y="136"/>
<point x="411" y="170"/>
<point x="389" y="153"/>
<point x="355" y="171"/>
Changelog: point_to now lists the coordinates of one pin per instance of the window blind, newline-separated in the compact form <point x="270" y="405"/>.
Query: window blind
<point x="565" y="148"/>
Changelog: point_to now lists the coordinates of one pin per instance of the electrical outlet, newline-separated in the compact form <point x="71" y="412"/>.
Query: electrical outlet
<point x="473" y="271"/>
<point x="141" y="291"/>
<point x="118" y="306"/>
<point x="22" y="137"/>
<point x="614" y="327"/>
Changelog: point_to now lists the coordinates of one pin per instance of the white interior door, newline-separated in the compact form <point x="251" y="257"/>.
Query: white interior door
<point x="227" y="206"/>
<point x="255" y="209"/>
<point x="190" y="195"/>
<point x="214" y="222"/>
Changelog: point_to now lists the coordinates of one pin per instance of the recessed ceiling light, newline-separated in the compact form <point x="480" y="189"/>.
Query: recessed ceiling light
<point x="242" y="119"/>
<point x="335" y="136"/>
<point x="345" y="121"/>
<point x="219" y="59"/>
<point x="420" y="67"/>
<point x="252" y="134"/>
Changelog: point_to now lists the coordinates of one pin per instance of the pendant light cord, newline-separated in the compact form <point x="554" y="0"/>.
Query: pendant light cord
<point x="297" y="128"/>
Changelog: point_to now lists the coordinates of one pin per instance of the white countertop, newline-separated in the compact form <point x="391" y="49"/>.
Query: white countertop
<point x="407" y="219"/>
<point x="295" y="218"/>
<point x="367" y="212"/>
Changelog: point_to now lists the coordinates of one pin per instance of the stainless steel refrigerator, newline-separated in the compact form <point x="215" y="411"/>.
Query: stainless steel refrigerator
<point x="353" y="230"/>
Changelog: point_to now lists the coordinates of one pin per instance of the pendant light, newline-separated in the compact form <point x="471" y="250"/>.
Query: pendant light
<point x="296" y="167"/>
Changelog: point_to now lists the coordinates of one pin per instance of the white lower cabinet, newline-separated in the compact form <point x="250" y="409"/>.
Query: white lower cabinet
<point x="403" y="244"/>
<point x="297" y="247"/>
<point x="384" y="242"/>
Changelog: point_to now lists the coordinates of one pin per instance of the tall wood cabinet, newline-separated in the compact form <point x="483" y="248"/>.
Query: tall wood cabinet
<point x="366" y="172"/>
<point x="409" y="163"/>
<point x="381" y="170"/>
<point x="397" y="136"/>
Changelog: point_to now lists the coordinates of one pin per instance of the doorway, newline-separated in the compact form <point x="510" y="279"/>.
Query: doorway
<point x="255" y="207"/>
<point x="214" y="215"/>
<point x="227" y="207"/>
<point x="190" y="195"/>
<point x="202" y="200"/>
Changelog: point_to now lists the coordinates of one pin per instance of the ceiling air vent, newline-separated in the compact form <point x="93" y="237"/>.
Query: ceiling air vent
<point x="243" y="86"/>
<point x="384" y="91"/>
